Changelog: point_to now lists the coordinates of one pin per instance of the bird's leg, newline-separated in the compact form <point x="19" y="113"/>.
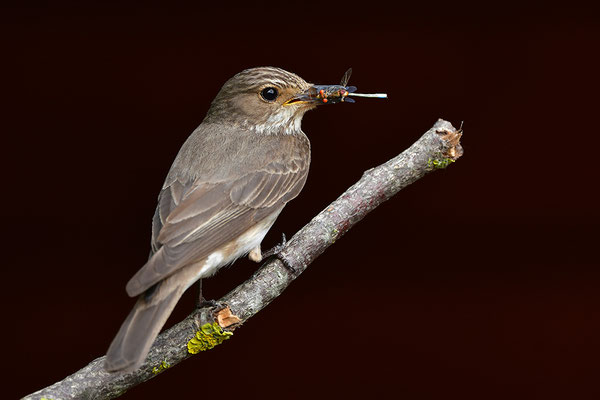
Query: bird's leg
<point x="276" y="249"/>
<point x="257" y="256"/>
<point x="200" y="298"/>
<point x="275" y="253"/>
<point x="202" y="302"/>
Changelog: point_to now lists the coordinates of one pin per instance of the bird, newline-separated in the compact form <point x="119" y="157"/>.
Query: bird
<point x="227" y="185"/>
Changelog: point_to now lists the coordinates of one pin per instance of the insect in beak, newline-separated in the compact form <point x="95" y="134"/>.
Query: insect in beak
<point x="331" y="94"/>
<point x="342" y="93"/>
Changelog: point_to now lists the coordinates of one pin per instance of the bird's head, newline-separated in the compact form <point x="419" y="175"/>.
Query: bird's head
<point x="266" y="99"/>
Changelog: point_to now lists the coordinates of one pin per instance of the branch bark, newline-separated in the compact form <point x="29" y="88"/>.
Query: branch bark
<point x="437" y="148"/>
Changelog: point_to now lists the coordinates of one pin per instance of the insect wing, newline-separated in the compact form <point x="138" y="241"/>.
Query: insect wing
<point x="346" y="77"/>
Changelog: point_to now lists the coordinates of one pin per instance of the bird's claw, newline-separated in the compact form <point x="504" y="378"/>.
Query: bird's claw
<point x="203" y="303"/>
<point x="275" y="250"/>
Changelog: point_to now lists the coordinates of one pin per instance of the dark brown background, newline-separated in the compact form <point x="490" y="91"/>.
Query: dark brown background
<point x="477" y="282"/>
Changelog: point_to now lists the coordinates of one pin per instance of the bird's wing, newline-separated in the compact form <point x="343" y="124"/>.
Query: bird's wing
<point x="195" y="219"/>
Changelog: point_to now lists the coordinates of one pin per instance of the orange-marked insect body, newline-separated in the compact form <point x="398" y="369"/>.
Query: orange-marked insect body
<point x="333" y="94"/>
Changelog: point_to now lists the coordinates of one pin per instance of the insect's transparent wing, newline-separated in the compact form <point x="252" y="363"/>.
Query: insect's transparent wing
<point x="346" y="77"/>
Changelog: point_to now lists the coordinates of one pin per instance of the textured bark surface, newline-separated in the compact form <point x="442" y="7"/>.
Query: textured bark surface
<point x="437" y="148"/>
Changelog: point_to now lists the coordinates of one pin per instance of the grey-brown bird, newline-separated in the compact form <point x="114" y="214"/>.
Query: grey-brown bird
<point x="226" y="187"/>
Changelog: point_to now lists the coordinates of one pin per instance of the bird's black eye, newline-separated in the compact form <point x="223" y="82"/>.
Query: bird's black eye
<point x="269" y="93"/>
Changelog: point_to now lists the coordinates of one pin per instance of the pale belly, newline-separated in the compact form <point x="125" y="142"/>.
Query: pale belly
<point x="231" y="252"/>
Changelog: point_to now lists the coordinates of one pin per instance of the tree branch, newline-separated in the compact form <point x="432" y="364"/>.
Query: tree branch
<point x="204" y="328"/>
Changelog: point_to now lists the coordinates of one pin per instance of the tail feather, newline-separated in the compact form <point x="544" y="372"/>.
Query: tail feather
<point x="129" y="348"/>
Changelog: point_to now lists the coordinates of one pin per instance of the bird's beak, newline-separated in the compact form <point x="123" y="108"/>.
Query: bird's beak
<point x="321" y="94"/>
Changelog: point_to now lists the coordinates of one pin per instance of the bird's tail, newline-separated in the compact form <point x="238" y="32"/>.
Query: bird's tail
<point x="133" y="341"/>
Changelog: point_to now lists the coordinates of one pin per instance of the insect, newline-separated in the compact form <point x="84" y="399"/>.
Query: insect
<point x="339" y="93"/>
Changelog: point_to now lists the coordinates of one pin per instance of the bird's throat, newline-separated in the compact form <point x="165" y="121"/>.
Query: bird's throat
<point x="282" y="123"/>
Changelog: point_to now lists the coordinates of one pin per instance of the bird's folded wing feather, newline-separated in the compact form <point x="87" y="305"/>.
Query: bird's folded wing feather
<point x="194" y="219"/>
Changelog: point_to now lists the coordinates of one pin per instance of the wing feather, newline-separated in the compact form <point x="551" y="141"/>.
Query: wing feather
<point x="200" y="217"/>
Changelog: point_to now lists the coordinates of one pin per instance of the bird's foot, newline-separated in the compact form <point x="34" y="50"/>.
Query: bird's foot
<point x="275" y="250"/>
<point x="202" y="303"/>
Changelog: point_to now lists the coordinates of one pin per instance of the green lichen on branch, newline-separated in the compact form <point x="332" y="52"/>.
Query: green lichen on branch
<point x="209" y="336"/>
<point x="163" y="365"/>
<point x="334" y="233"/>
<point x="434" y="163"/>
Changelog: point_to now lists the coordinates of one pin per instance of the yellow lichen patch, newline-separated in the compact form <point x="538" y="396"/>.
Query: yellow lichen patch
<point x="209" y="336"/>
<point x="226" y="318"/>
<point x="163" y="365"/>
<point x="439" y="164"/>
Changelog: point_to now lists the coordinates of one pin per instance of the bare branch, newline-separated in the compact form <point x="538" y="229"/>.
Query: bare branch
<point x="206" y="327"/>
